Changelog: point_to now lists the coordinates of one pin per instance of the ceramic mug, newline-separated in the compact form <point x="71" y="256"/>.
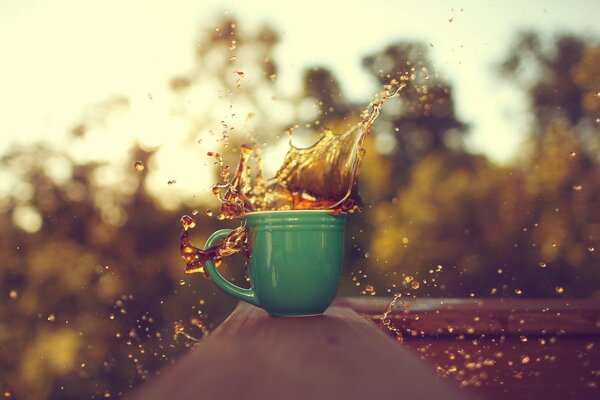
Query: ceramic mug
<point x="296" y="259"/>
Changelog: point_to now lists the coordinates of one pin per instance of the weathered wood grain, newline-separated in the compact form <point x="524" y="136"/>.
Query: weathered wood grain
<point x="339" y="355"/>
<point x="518" y="349"/>
<point x="452" y="317"/>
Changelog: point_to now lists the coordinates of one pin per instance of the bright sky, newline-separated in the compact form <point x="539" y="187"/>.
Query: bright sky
<point x="61" y="56"/>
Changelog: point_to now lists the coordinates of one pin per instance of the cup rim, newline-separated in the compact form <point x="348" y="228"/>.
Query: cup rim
<point x="288" y="211"/>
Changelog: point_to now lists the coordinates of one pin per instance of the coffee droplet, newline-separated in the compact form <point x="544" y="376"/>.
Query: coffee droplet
<point x="178" y="328"/>
<point x="187" y="222"/>
<point x="138" y="165"/>
<point x="415" y="285"/>
<point x="245" y="149"/>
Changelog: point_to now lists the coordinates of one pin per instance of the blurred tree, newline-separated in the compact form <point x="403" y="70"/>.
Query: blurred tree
<point x="321" y="85"/>
<point x="529" y="229"/>
<point x="563" y="158"/>
<point x="562" y="85"/>
<point x="89" y="279"/>
<point x="423" y="115"/>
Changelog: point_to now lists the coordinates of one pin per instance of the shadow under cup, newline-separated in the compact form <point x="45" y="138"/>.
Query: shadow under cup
<point x="296" y="259"/>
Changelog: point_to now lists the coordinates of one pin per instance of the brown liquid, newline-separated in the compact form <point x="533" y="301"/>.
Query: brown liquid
<point x="321" y="177"/>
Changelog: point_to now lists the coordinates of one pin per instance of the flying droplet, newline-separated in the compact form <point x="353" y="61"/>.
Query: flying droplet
<point x="241" y="74"/>
<point x="542" y="264"/>
<point x="51" y="317"/>
<point x="415" y="285"/>
<point x="591" y="249"/>
<point x="369" y="289"/>
<point x="209" y="212"/>
<point x="559" y="289"/>
<point x="181" y="282"/>
<point x="572" y="154"/>
<point x="525" y="360"/>
<point x="171" y="182"/>
<point x="577" y="187"/>
<point x="187" y="222"/>
<point x="178" y="328"/>
<point x="13" y="294"/>
<point x="139" y="166"/>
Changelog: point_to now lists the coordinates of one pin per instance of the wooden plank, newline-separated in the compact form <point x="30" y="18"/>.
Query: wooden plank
<point x="504" y="349"/>
<point x="452" y="317"/>
<point x="339" y="355"/>
<point x="565" y="368"/>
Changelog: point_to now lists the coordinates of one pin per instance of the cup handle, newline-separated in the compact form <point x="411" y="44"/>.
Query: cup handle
<point x="246" y="295"/>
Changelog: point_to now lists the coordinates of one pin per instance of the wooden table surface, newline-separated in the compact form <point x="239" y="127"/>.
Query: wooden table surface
<point x="502" y="348"/>
<point x="339" y="355"/>
<point x="423" y="349"/>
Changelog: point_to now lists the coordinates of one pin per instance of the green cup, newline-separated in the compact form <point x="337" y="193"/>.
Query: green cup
<point x="296" y="260"/>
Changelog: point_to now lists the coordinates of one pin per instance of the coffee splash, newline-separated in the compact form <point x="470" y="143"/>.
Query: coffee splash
<point x="321" y="177"/>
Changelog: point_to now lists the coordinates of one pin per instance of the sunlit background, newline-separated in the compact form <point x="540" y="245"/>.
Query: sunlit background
<point x="482" y="179"/>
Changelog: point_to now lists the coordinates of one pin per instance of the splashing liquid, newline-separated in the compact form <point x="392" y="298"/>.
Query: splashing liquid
<point x="321" y="177"/>
<point x="195" y="258"/>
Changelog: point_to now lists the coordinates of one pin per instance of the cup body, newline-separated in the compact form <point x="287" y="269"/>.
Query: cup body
<point x="296" y="259"/>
